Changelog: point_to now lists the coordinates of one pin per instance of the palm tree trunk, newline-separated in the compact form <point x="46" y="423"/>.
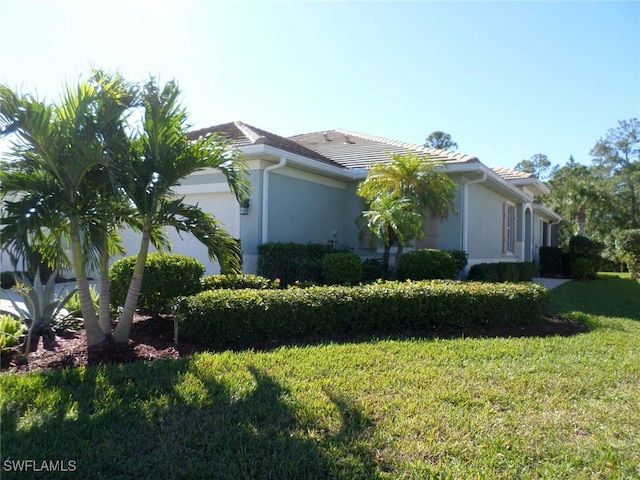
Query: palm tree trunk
<point x="104" y="298"/>
<point x="123" y="329"/>
<point x="94" y="333"/>
<point x="398" y="253"/>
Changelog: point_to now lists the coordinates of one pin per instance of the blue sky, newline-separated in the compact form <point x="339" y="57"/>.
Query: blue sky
<point x="506" y="79"/>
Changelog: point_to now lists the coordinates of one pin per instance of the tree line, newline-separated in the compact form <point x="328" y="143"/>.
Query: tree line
<point x="599" y="200"/>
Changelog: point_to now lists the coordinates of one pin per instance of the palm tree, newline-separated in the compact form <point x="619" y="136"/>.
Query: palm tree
<point x="163" y="156"/>
<point x="400" y="193"/>
<point x="60" y="159"/>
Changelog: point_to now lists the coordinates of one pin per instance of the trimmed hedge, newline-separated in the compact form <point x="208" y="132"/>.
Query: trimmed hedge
<point x="166" y="276"/>
<point x="502" y="272"/>
<point x="341" y="269"/>
<point x="237" y="282"/>
<point x="426" y="264"/>
<point x="232" y="318"/>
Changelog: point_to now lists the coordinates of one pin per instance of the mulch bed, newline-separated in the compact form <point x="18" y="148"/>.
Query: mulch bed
<point x="152" y="339"/>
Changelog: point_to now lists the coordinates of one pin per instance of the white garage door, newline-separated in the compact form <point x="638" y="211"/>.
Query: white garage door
<point x="222" y="205"/>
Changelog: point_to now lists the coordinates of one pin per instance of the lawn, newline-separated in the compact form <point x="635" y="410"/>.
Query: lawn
<point x="555" y="407"/>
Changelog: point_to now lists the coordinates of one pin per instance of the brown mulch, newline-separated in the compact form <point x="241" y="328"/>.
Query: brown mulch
<point x="152" y="339"/>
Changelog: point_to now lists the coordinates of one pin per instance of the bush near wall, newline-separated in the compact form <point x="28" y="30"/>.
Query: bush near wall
<point x="294" y="262"/>
<point x="502" y="272"/>
<point x="426" y="264"/>
<point x="341" y="269"/>
<point x="550" y="261"/>
<point x="166" y="276"/>
<point x="234" y="318"/>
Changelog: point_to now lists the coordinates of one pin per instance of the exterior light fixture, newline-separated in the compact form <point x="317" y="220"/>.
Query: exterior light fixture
<point x="244" y="207"/>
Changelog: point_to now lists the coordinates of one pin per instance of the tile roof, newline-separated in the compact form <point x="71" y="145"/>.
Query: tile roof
<point x="243" y="135"/>
<point x="510" y="174"/>
<point x="356" y="150"/>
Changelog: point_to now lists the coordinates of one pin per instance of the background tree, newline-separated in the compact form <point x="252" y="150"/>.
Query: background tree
<point x="398" y="196"/>
<point x="441" y="141"/>
<point x="617" y="156"/>
<point x="538" y="164"/>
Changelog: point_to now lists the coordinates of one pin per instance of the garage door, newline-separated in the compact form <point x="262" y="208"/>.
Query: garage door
<point x="222" y="205"/>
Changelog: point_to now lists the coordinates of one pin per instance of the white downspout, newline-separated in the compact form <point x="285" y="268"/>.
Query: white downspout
<point x="265" y="196"/>
<point x="465" y="209"/>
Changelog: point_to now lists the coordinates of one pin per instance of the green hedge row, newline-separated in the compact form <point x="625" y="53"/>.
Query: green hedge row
<point x="228" y="318"/>
<point x="502" y="272"/>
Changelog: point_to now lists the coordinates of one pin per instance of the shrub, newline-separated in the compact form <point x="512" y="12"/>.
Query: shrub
<point x="7" y="279"/>
<point x="628" y="242"/>
<point x="232" y="318"/>
<point x="166" y="276"/>
<point x="583" y="247"/>
<point x="426" y="264"/>
<point x="341" y="269"/>
<point x="550" y="261"/>
<point x="291" y="262"/>
<point x="502" y="272"/>
<point x="527" y="271"/>
<point x="583" y="269"/>
<point x="237" y="282"/>
<point x="372" y="269"/>
<point x="11" y="329"/>
<point x="460" y="257"/>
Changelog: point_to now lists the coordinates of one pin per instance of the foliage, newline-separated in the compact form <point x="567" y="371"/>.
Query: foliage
<point x="226" y="318"/>
<point x="583" y="269"/>
<point x="550" y="261"/>
<point x="73" y="305"/>
<point x="294" y="262"/>
<point x="440" y="140"/>
<point x="372" y="269"/>
<point x="583" y="247"/>
<point x="238" y="282"/>
<point x="539" y="165"/>
<point x="8" y="279"/>
<point x="11" y="329"/>
<point x="617" y="156"/>
<point x="460" y="257"/>
<point x="426" y="264"/>
<point x="341" y="269"/>
<point x="167" y="276"/>
<point x="39" y="305"/>
<point x="399" y="195"/>
<point x="628" y="242"/>
<point x="503" y="272"/>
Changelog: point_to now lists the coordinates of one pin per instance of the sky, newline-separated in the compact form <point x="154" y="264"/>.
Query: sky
<point x="506" y="80"/>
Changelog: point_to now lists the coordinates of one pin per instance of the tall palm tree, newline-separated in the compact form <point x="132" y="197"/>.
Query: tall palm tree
<point x="60" y="157"/>
<point x="400" y="193"/>
<point x="161" y="157"/>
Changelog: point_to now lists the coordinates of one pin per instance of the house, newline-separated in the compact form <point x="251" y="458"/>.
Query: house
<point x="304" y="190"/>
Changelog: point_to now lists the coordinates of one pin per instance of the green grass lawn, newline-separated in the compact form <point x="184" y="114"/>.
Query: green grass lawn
<point x="543" y="408"/>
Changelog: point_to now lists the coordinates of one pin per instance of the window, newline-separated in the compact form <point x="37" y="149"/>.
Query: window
<point x="509" y="228"/>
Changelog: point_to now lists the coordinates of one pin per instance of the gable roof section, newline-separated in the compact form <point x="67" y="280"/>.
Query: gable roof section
<point x="244" y="135"/>
<point x="356" y="150"/>
<point x="510" y="174"/>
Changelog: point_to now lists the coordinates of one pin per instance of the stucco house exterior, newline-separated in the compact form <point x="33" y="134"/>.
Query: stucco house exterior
<point x="304" y="190"/>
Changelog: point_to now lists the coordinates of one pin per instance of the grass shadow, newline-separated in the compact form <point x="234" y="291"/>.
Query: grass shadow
<point x="179" y="419"/>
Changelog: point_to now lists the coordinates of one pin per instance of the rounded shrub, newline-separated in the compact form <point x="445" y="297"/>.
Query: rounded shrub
<point x="461" y="258"/>
<point x="426" y="264"/>
<point x="341" y="269"/>
<point x="583" y="269"/>
<point x="166" y="276"/>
